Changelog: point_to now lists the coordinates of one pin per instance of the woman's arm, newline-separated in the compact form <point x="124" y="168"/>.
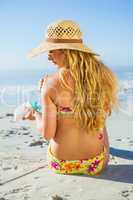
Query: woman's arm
<point x="38" y="118"/>
<point x="46" y="121"/>
<point x="48" y="118"/>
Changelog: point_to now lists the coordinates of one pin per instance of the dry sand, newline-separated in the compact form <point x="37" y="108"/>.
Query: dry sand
<point x="24" y="174"/>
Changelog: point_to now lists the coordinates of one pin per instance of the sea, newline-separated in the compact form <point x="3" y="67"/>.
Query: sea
<point x="19" y="86"/>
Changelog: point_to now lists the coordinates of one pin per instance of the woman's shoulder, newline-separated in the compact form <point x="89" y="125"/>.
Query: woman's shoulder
<point x="55" y="78"/>
<point x="51" y="84"/>
<point x="50" y="79"/>
<point x="54" y="86"/>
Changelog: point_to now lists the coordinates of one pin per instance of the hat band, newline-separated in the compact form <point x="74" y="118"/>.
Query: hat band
<point x="64" y="40"/>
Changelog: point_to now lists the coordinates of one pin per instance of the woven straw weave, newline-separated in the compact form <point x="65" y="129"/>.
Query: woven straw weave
<point x="62" y="34"/>
<point x="63" y="30"/>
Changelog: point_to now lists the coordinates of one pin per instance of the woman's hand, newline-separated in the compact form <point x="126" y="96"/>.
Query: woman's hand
<point x="41" y="82"/>
<point x="29" y="115"/>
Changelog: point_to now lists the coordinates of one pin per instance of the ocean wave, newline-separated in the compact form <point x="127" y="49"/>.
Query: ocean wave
<point x="18" y="94"/>
<point x="126" y="86"/>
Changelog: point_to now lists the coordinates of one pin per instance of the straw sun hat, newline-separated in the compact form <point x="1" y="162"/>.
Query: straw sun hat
<point x="63" y="34"/>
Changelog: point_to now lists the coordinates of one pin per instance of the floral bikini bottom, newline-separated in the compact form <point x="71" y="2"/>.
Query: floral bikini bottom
<point x="91" y="167"/>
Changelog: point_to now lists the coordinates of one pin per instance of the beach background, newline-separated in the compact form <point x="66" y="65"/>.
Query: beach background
<point x="23" y="167"/>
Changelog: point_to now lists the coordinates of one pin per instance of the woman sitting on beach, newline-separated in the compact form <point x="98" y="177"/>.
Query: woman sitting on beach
<point x="76" y="102"/>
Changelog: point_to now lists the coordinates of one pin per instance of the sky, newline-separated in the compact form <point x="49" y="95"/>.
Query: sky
<point x="107" y="28"/>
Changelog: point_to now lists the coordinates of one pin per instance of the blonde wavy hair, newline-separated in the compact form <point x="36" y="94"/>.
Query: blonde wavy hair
<point x="95" y="88"/>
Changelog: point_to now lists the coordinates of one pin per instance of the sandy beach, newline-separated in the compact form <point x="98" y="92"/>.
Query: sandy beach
<point x="77" y="44"/>
<point x="24" y="174"/>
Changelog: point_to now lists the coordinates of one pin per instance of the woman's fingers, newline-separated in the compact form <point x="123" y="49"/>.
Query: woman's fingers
<point x="40" y="84"/>
<point x="29" y="115"/>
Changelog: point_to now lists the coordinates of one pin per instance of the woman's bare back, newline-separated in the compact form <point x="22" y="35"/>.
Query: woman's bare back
<point x="72" y="142"/>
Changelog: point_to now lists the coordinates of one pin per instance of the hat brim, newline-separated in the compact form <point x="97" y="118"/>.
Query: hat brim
<point x="47" y="46"/>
